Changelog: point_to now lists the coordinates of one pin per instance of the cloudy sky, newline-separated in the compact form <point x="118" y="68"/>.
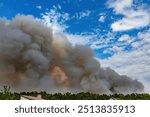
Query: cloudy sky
<point x="117" y="30"/>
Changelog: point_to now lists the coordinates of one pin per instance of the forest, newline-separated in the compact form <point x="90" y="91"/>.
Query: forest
<point x="6" y="94"/>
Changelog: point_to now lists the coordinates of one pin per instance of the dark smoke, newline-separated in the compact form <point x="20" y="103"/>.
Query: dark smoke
<point x="33" y="58"/>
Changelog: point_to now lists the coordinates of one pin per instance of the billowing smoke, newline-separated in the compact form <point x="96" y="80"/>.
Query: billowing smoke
<point x="33" y="58"/>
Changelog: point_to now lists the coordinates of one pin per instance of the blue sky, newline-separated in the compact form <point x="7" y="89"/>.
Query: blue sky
<point x="117" y="30"/>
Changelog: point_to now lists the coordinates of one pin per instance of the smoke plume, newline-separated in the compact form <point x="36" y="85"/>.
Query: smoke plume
<point x="33" y="58"/>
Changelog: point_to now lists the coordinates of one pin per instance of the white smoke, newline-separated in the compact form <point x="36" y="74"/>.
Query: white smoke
<point x="33" y="58"/>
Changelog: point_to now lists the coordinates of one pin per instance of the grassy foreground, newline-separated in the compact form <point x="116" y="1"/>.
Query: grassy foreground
<point x="5" y="94"/>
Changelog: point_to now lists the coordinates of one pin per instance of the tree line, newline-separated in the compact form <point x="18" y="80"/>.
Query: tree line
<point x="6" y="94"/>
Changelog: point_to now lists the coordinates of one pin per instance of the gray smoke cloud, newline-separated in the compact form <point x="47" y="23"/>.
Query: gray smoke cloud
<point x="33" y="58"/>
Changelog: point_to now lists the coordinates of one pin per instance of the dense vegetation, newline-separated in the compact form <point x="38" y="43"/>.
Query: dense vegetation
<point x="5" y="94"/>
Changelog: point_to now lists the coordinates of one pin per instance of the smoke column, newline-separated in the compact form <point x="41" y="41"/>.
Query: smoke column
<point x="33" y="58"/>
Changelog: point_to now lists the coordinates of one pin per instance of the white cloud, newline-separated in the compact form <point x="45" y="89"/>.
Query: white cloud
<point x="120" y="5"/>
<point x="125" y="38"/>
<point x="133" y="18"/>
<point x="102" y="41"/>
<point x="82" y="14"/>
<point x="55" y="20"/>
<point x="39" y="7"/>
<point x="134" y="63"/>
<point x="129" y="23"/>
<point x="102" y="18"/>
<point x="145" y="36"/>
<point x="79" y="38"/>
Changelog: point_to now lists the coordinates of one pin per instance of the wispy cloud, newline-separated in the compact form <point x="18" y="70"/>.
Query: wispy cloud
<point x="103" y="41"/>
<point x="82" y="14"/>
<point x="39" y="7"/>
<point x="102" y="18"/>
<point x="55" y="19"/>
